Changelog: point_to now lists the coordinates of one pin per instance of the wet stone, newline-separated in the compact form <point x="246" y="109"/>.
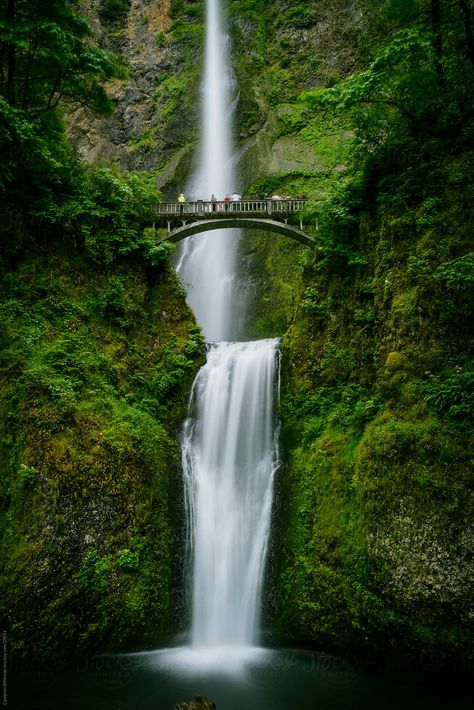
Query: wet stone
<point x="199" y="703"/>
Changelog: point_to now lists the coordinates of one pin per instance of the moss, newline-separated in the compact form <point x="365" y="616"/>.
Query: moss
<point x="94" y="386"/>
<point x="374" y="500"/>
<point x="394" y="361"/>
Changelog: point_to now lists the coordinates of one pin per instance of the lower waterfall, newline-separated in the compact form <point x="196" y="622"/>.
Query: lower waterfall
<point x="230" y="455"/>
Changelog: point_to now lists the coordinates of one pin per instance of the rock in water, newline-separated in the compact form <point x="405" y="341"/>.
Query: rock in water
<point x="199" y="703"/>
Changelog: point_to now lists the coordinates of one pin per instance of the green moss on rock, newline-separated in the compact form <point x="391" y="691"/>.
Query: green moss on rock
<point x="93" y="388"/>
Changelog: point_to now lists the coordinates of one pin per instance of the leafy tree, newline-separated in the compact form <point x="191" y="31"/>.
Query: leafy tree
<point x="33" y="166"/>
<point x="429" y="47"/>
<point x="47" y="59"/>
<point x="108" y="213"/>
<point x="416" y="95"/>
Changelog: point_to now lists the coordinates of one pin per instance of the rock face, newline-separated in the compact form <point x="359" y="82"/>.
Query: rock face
<point x="297" y="54"/>
<point x="199" y="703"/>
<point x="151" y="121"/>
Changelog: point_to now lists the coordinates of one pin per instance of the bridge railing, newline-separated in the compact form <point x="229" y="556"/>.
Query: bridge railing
<point x="220" y="208"/>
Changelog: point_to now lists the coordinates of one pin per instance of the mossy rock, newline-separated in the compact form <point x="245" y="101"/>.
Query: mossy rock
<point x="395" y="361"/>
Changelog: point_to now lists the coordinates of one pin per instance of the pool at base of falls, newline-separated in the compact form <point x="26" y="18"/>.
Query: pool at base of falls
<point x="240" y="678"/>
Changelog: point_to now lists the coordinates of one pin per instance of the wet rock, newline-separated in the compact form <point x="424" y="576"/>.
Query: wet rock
<point x="114" y="140"/>
<point x="199" y="703"/>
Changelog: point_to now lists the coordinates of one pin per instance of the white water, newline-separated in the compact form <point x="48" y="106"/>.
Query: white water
<point x="207" y="261"/>
<point x="229" y="444"/>
<point x="229" y="458"/>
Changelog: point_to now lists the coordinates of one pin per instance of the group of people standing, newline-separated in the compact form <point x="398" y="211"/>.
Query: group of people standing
<point x="235" y="197"/>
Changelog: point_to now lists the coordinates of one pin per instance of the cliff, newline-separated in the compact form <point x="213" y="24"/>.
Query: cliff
<point x="96" y="366"/>
<point x="154" y="126"/>
<point x="372" y="533"/>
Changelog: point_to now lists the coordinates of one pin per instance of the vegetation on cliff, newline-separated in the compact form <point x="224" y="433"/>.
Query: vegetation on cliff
<point x="373" y="536"/>
<point x="364" y="107"/>
<point x="98" y="352"/>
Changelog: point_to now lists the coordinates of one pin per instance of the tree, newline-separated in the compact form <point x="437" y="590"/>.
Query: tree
<point x="47" y="56"/>
<point x="420" y="81"/>
<point x="467" y="18"/>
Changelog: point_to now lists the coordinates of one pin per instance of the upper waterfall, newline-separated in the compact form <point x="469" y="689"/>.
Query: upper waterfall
<point x="215" y="172"/>
<point x="207" y="264"/>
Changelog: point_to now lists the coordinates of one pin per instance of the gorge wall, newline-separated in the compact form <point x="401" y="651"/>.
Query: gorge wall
<point x="94" y="388"/>
<point x="372" y="531"/>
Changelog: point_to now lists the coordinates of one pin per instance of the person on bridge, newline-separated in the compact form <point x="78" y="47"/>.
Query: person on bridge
<point x="227" y="200"/>
<point x="235" y="198"/>
<point x="214" y="201"/>
<point x="181" y="200"/>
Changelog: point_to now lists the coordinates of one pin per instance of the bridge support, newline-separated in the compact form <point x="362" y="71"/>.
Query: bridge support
<point x="268" y="225"/>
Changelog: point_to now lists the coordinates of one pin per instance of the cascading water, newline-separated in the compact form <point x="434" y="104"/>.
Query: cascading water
<point x="207" y="262"/>
<point x="230" y="456"/>
<point x="229" y="459"/>
<point x="229" y="443"/>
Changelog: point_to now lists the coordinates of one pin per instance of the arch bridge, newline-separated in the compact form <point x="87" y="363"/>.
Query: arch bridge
<point x="185" y="219"/>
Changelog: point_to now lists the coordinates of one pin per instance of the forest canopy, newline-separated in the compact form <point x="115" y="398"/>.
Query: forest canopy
<point x="49" y="63"/>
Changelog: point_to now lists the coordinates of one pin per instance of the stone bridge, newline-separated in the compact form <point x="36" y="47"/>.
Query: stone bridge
<point x="184" y="219"/>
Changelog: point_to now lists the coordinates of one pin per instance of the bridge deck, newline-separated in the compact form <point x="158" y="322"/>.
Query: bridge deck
<point x="222" y="208"/>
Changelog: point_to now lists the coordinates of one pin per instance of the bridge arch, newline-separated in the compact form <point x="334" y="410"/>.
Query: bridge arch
<point x="269" y="225"/>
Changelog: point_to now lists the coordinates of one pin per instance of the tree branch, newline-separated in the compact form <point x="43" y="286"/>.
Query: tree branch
<point x="391" y="102"/>
<point x="466" y="11"/>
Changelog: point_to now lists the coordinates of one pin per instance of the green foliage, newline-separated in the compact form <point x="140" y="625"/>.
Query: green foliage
<point x="31" y="162"/>
<point x="114" y="11"/>
<point x="452" y="393"/>
<point x="110" y="212"/>
<point x="93" y="575"/>
<point x="292" y="118"/>
<point x="51" y="58"/>
<point x="377" y="384"/>
<point x="418" y="86"/>
<point x="128" y="561"/>
<point x="458" y="273"/>
<point x="48" y="60"/>
<point x="186" y="8"/>
<point x="338" y="225"/>
<point x="300" y="15"/>
<point x="97" y="355"/>
<point x="169" y="95"/>
<point x="27" y="475"/>
<point x="145" y="140"/>
<point x="312" y="304"/>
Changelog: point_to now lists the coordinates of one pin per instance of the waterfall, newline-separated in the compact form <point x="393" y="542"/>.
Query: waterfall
<point x="229" y="447"/>
<point x="207" y="262"/>
<point x="229" y="460"/>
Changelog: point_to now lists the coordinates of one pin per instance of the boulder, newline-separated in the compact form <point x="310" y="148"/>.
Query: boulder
<point x="199" y="703"/>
